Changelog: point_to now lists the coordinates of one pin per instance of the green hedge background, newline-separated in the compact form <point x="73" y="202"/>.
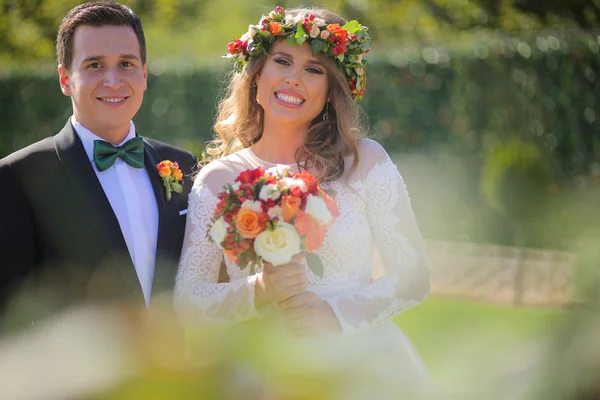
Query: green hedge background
<point x="444" y="115"/>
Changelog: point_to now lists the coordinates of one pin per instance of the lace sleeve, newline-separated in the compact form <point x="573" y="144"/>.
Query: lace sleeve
<point x="199" y="298"/>
<point x="405" y="282"/>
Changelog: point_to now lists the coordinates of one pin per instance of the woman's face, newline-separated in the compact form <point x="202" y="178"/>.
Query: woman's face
<point x="292" y="85"/>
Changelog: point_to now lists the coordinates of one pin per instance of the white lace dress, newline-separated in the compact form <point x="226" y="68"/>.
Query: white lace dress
<point x="375" y="213"/>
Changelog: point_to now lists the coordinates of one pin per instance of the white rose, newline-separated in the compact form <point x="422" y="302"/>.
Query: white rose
<point x="275" y="212"/>
<point x="278" y="171"/>
<point x="319" y="21"/>
<point x="252" y="30"/>
<point x="279" y="245"/>
<point x="288" y="183"/>
<point x="293" y="19"/>
<point x="324" y="35"/>
<point x="317" y="208"/>
<point x="269" y="191"/>
<point x="253" y="205"/>
<point x="219" y="230"/>
<point x="314" y="31"/>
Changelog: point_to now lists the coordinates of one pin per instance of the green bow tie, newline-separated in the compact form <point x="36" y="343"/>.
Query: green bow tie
<point x="132" y="152"/>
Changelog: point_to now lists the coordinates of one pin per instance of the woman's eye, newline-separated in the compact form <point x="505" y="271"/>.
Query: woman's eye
<point x="314" y="70"/>
<point x="94" y="65"/>
<point x="282" y="61"/>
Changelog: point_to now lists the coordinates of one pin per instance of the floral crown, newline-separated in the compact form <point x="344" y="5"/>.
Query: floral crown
<point x="345" y="44"/>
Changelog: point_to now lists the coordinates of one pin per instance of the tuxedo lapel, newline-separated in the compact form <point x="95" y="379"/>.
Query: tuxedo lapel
<point x="168" y="212"/>
<point x="90" y="197"/>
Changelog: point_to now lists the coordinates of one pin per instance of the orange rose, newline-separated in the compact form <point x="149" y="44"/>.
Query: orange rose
<point x="314" y="239"/>
<point x="290" y="206"/>
<point x="164" y="168"/>
<point x="275" y="28"/>
<point x="249" y="223"/>
<point x="178" y="174"/>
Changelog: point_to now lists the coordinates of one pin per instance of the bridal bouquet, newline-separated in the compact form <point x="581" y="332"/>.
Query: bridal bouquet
<point x="271" y="216"/>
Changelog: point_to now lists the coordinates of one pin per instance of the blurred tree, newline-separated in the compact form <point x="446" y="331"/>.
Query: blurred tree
<point x="28" y="27"/>
<point x="585" y="13"/>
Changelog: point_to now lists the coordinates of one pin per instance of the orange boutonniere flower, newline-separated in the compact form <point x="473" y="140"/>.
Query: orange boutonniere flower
<point x="172" y="177"/>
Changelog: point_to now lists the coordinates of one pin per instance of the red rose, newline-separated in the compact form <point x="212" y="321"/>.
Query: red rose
<point x="257" y="174"/>
<point x="339" y="49"/>
<point x="296" y="192"/>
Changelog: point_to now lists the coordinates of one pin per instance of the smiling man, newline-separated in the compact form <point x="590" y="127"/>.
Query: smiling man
<point x="84" y="215"/>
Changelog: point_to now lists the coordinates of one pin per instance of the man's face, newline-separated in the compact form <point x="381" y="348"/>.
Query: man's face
<point x="106" y="80"/>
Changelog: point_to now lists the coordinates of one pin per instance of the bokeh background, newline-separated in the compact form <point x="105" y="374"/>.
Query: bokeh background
<point x="490" y="109"/>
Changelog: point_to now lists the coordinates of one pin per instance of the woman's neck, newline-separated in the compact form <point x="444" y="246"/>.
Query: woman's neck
<point x="279" y="144"/>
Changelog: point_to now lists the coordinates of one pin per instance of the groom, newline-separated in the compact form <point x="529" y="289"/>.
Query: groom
<point x="84" y="215"/>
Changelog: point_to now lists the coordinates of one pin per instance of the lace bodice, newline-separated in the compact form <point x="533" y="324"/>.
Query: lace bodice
<point x="375" y="211"/>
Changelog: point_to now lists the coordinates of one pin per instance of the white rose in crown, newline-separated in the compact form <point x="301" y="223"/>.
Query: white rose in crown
<point x="219" y="230"/>
<point x="279" y="245"/>
<point x="269" y="192"/>
<point x="314" y="31"/>
<point x="317" y="208"/>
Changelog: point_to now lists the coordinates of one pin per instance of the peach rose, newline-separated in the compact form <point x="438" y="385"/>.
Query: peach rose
<point x="304" y="223"/>
<point x="250" y="223"/>
<point x="230" y="254"/>
<point x="290" y="206"/>
<point x="314" y="239"/>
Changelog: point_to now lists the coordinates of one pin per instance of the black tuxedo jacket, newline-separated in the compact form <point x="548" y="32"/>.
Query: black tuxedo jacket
<point x="59" y="235"/>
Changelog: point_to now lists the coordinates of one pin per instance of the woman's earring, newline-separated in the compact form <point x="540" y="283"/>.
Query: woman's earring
<point x="326" y="113"/>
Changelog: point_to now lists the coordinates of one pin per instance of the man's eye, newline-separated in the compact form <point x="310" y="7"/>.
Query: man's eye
<point x="126" y="64"/>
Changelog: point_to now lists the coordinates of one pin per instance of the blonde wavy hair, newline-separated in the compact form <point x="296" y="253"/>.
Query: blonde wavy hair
<point x="239" y="122"/>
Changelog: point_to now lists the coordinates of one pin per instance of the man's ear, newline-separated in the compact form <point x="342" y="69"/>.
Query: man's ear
<point x="63" y="80"/>
<point x="145" y="75"/>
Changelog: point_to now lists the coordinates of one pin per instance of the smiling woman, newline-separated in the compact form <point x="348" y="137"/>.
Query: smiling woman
<point x="292" y="100"/>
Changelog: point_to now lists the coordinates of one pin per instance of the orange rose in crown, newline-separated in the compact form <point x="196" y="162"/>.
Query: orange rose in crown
<point x="271" y="216"/>
<point x="172" y="177"/>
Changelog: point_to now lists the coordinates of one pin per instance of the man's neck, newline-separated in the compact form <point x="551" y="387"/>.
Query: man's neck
<point x="112" y="135"/>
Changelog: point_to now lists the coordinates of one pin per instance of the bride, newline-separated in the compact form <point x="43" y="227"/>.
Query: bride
<point x="293" y="101"/>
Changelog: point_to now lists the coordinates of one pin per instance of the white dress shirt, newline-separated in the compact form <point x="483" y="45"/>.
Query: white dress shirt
<point x="132" y="199"/>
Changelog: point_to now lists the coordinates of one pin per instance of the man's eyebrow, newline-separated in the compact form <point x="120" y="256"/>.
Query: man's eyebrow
<point x="100" y="58"/>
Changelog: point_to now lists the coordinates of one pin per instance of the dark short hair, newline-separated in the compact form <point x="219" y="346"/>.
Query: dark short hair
<point x="98" y="13"/>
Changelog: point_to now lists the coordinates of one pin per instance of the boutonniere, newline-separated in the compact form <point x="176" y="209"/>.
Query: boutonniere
<point x="171" y="176"/>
